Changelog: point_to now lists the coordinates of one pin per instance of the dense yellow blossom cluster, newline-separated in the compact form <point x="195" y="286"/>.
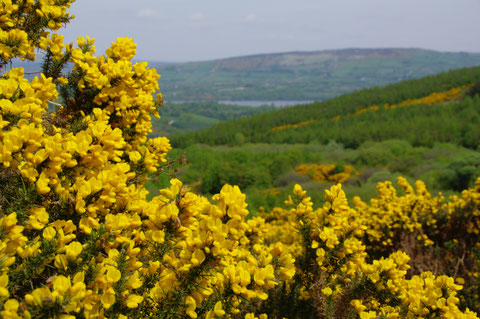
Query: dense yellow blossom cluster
<point x="406" y="214"/>
<point x="335" y="248"/>
<point x="25" y="24"/>
<point x="327" y="172"/>
<point x="80" y="239"/>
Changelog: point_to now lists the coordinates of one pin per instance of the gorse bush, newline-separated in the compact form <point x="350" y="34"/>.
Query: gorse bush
<point x="79" y="239"/>
<point x="327" y="172"/>
<point x="354" y="262"/>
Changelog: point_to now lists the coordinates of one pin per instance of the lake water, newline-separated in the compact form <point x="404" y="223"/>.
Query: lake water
<point x="260" y="103"/>
<point x="282" y="103"/>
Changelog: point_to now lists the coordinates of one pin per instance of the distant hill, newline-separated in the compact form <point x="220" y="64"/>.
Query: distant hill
<point x="314" y="75"/>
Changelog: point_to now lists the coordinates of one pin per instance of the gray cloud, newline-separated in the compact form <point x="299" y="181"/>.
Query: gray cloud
<point x="149" y="13"/>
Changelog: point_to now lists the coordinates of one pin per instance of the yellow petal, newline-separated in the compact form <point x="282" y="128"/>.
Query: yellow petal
<point x="133" y="301"/>
<point x="113" y="274"/>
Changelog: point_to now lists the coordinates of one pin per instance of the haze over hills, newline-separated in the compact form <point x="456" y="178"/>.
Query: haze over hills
<point x="313" y="75"/>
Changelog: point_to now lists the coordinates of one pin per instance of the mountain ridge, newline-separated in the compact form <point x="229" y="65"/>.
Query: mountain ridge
<point x="309" y="52"/>
<point x="303" y="75"/>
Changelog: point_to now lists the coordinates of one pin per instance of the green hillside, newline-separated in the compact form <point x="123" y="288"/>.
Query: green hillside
<point x="315" y="75"/>
<point x="184" y="117"/>
<point x="336" y="119"/>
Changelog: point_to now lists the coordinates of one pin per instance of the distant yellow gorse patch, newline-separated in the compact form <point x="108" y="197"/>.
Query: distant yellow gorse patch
<point x="327" y="172"/>
<point x="433" y="98"/>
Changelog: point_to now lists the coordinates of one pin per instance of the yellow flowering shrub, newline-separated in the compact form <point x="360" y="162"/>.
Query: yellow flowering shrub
<point x="350" y="261"/>
<point x="289" y="126"/>
<point x="80" y="239"/>
<point x="327" y="172"/>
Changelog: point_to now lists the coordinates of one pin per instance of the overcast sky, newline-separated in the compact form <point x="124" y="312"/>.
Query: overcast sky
<point x="191" y="30"/>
